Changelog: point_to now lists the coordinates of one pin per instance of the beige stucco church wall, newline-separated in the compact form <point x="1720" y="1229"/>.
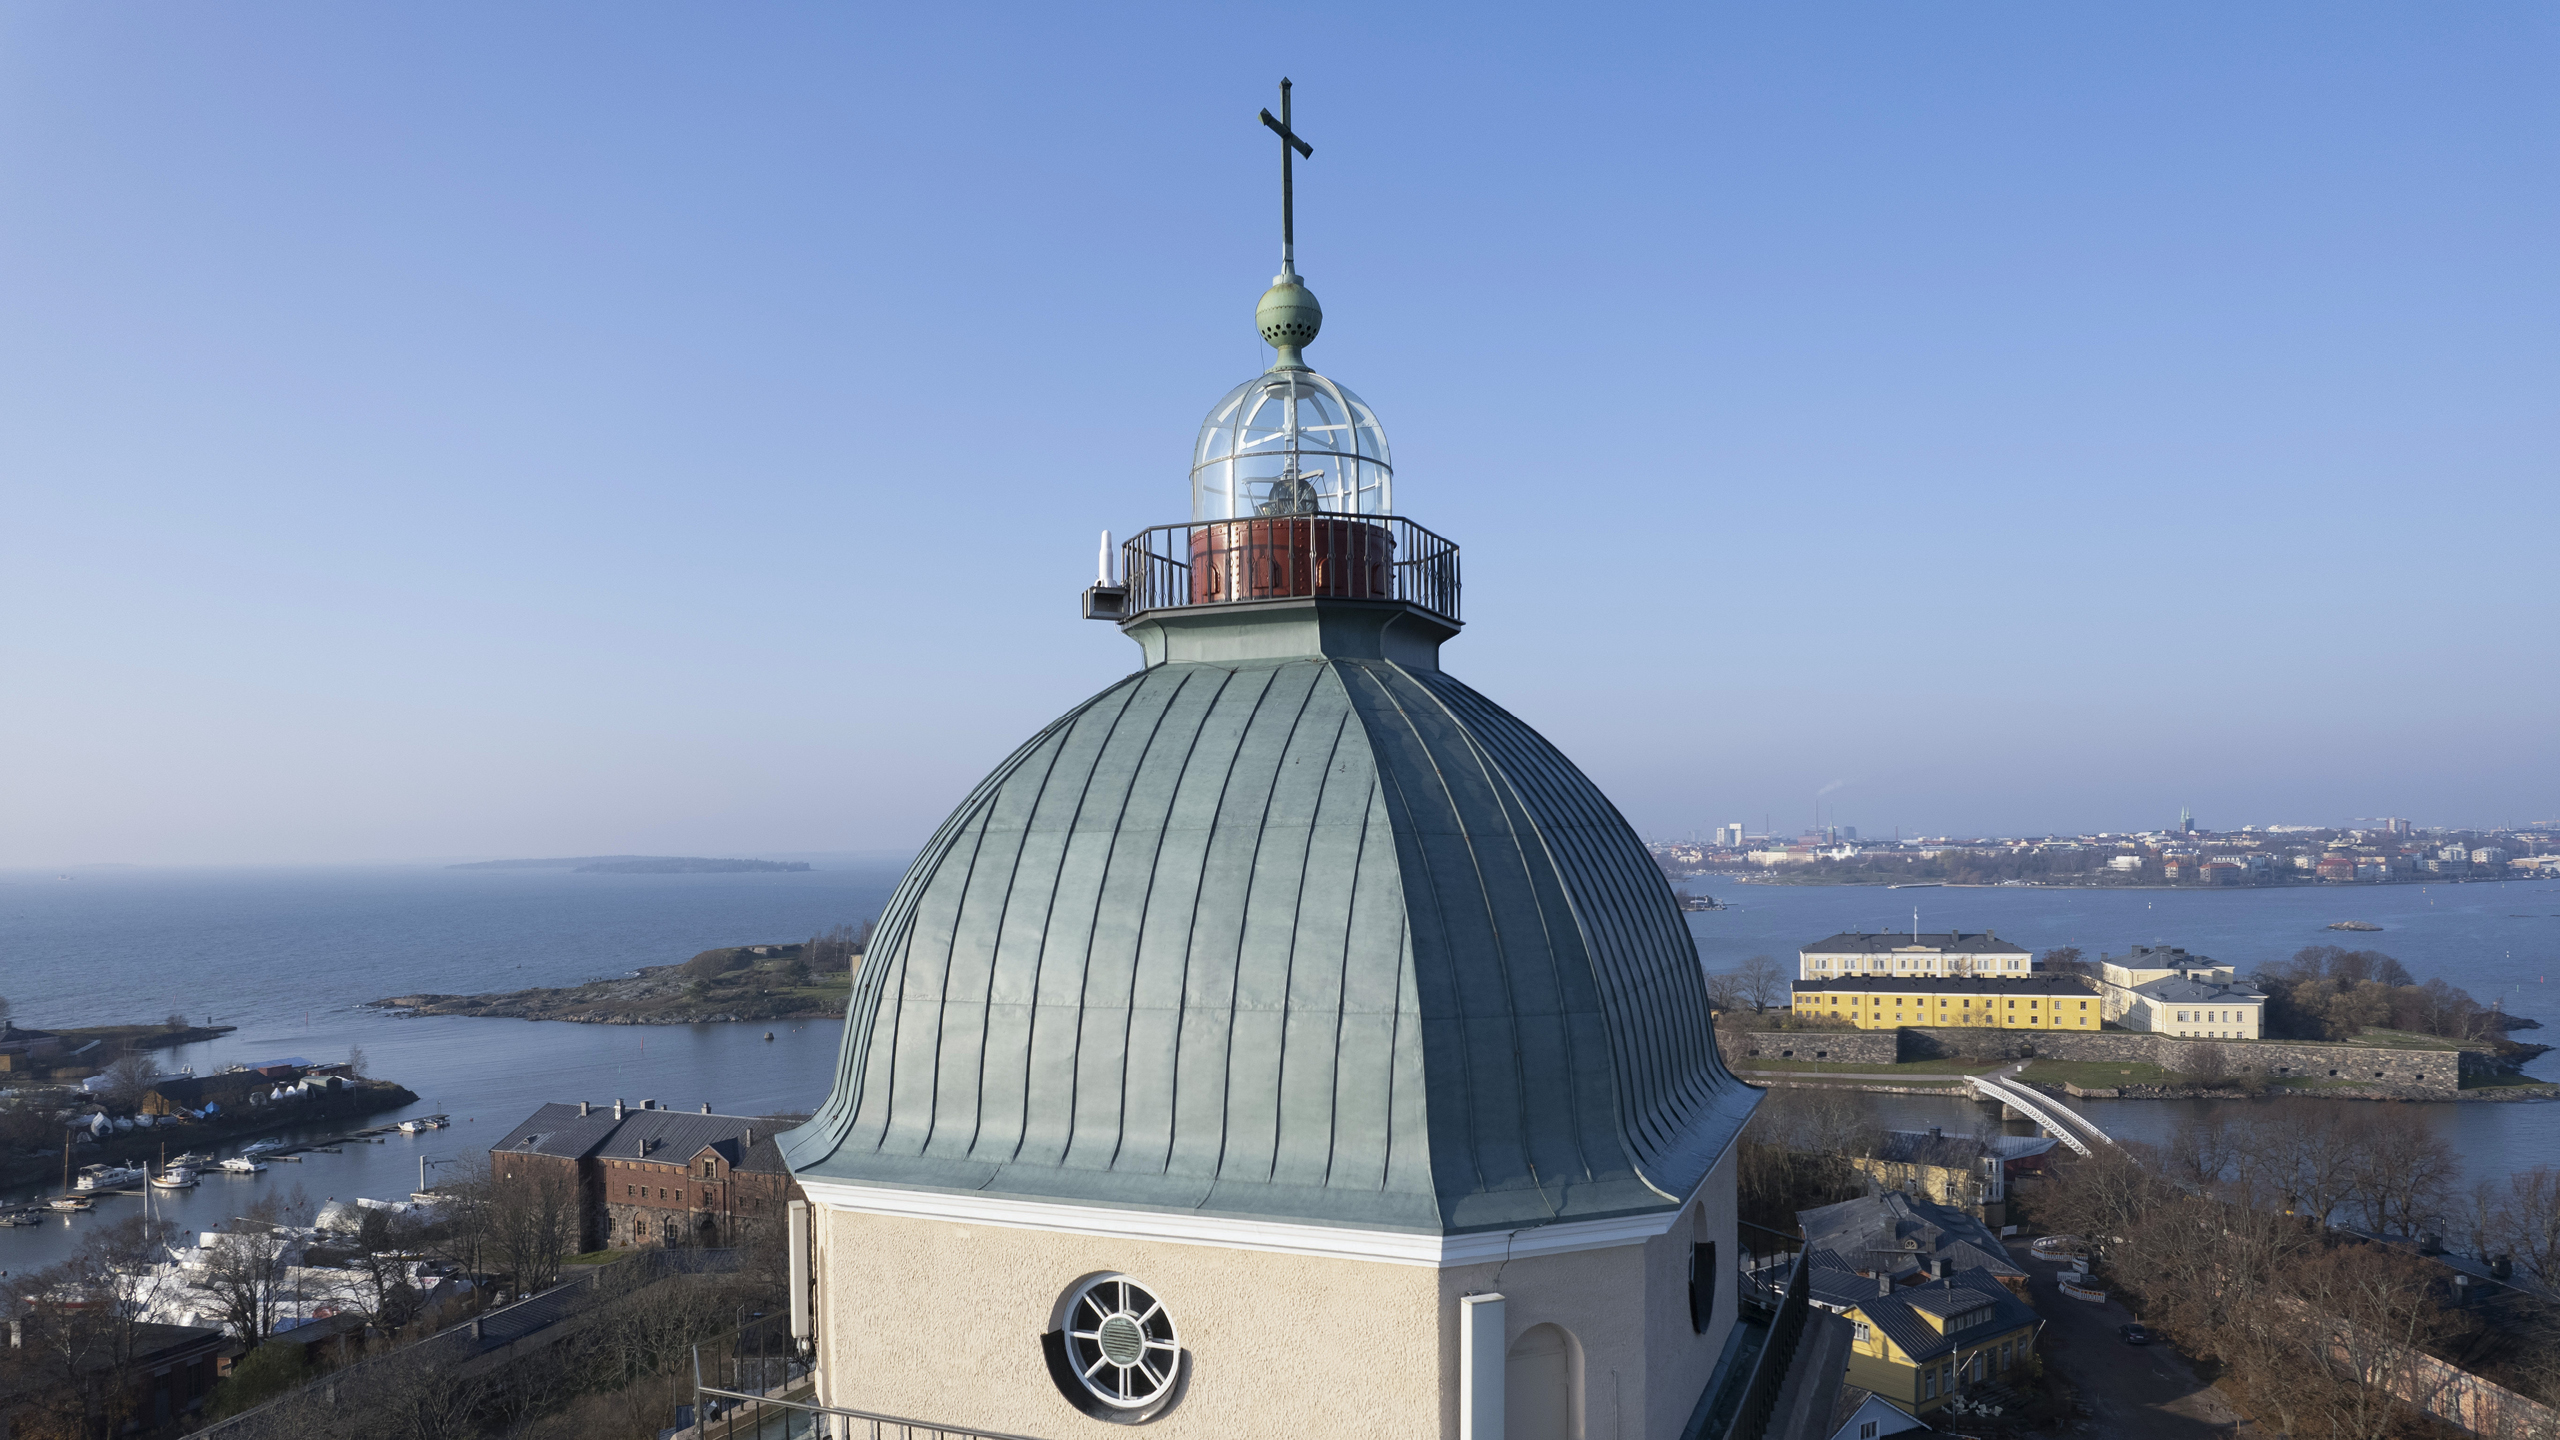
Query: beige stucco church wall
<point x="941" y="1321"/>
<point x="1641" y="1364"/>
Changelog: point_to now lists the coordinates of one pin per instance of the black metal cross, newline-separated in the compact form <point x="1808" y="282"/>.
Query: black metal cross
<point x="1288" y="181"/>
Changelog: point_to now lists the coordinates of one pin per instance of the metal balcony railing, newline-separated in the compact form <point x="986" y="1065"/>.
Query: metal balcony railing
<point x="1314" y="556"/>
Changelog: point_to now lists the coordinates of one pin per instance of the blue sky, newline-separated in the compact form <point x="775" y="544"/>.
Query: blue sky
<point x="537" y="429"/>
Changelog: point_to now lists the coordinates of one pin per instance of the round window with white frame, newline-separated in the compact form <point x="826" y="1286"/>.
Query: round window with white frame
<point x="1121" y="1343"/>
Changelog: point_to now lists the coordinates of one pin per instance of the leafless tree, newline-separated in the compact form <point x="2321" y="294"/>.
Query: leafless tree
<point x="532" y="1221"/>
<point x="378" y="1262"/>
<point x="2364" y="1317"/>
<point x="2398" y="1171"/>
<point x="2528" y="1225"/>
<point x="246" y="1279"/>
<point x="459" y="1233"/>
<point x="129" y="1076"/>
<point x="1795" y="1153"/>
<point x="357" y="1062"/>
<point x="1724" y="992"/>
<point x="1764" y="983"/>
<point x="80" y="1326"/>
<point x="2104" y="1195"/>
<point x="835" y="948"/>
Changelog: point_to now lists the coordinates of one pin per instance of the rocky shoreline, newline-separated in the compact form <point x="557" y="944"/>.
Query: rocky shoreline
<point x="654" y="995"/>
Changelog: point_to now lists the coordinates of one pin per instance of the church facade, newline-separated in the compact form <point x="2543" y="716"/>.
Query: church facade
<point x="1287" y="1040"/>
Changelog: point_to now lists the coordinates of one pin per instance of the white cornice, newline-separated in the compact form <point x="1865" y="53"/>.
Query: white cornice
<point x="1391" y="1247"/>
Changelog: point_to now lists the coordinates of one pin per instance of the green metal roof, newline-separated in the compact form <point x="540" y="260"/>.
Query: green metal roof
<point x="1319" y="939"/>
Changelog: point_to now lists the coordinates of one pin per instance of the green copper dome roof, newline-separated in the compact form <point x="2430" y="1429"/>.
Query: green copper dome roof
<point x="1320" y="939"/>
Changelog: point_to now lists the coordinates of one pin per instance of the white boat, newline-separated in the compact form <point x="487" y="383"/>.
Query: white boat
<point x="176" y="1177"/>
<point x="108" y="1177"/>
<point x="196" y="1158"/>
<point x="261" y="1147"/>
<point x="72" y="1202"/>
<point x="243" y="1165"/>
<point x="423" y="1122"/>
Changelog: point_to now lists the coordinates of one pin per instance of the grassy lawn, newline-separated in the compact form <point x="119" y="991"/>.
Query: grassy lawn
<point x="2404" y="1040"/>
<point x="1949" y="1083"/>
<point x="2098" y="1074"/>
<point x="1915" y="1067"/>
<point x="596" y="1257"/>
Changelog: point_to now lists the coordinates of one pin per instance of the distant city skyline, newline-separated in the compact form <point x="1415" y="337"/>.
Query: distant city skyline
<point x="475" y="432"/>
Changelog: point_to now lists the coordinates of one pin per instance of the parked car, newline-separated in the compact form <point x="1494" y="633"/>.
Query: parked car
<point x="2133" y="1334"/>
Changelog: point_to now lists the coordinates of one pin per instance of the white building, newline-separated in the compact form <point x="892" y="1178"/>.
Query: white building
<point x="1954" y="952"/>
<point x="2164" y="989"/>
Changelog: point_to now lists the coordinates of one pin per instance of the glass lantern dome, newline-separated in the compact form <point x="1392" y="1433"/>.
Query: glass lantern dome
<point x="1291" y="442"/>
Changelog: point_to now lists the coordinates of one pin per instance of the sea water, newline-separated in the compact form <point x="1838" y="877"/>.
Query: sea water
<point x="291" y="956"/>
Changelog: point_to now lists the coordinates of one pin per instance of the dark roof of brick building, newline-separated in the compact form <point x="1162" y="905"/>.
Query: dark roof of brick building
<point x="744" y="1141"/>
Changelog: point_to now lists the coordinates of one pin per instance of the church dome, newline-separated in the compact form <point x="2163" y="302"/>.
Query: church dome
<point x="1313" y="938"/>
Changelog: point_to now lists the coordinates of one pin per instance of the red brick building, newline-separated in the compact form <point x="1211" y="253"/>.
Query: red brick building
<point x="646" y="1176"/>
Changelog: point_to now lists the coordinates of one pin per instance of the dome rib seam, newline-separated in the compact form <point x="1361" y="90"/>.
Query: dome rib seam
<point x="1244" y="925"/>
<point x="1498" y="779"/>
<point x="1146" y="915"/>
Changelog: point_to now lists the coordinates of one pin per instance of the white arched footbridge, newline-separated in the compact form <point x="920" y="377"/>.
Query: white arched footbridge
<point x="2056" y="1119"/>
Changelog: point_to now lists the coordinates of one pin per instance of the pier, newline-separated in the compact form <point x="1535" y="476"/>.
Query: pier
<point x="290" y="1154"/>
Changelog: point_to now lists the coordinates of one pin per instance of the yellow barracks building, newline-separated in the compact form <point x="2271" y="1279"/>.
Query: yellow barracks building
<point x="1881" y="1002"/>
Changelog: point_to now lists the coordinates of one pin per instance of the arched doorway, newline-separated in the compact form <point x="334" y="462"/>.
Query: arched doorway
<point x="1538" y="1399"/>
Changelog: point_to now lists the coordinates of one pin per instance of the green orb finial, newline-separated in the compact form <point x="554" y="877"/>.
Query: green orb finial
<point x="1289" y="317"/>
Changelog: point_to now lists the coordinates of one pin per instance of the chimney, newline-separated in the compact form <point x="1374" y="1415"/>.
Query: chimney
<point x="584" y="1109"/>
<point x="617" y="1107"/>
<point x="706" y="1107"/>
<point x="1937" y="1268"/>
<point x="1884" y="1282"/>
<point x="1937" y="1133"/>
<point x="751" y="1138"/>
<point x="648" y="1104"/>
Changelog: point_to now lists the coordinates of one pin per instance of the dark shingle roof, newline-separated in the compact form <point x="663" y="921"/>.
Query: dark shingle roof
<point x="1944" y="1300"/>
<point x="1323" y="939"/>
<point x="1899" y="1234"/>
<point x="1962" y="943"/>
<point x="1949" y="985"/>
<point x="2179" y="990"/>
<point x="673" y="1135"/>
<point x="1899" y="1315"/>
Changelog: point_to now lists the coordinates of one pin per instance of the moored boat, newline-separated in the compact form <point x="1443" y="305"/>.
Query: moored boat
<point x="261" y="1147"/>
<point x="243" y="1165"/>
<point x="176" y="1177"/>
<point x="108" y="1177"/>
<point x="71" y="1202"/>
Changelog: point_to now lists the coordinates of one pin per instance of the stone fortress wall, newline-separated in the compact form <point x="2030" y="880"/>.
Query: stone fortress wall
<point x="2426" y="1072"/>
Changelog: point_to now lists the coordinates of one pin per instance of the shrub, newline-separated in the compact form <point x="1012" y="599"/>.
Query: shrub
<point x="711" y="964"/>
<point x="260" y="1376"/>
